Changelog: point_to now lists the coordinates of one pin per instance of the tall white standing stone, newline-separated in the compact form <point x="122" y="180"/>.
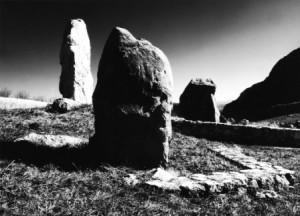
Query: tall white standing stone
<point x="76" y="81"/>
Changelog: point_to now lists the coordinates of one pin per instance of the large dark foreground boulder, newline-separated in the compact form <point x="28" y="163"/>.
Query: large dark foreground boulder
<point x="280" y="87"/>
<point x="133" y="101"/>
<point x="197" y="101"/>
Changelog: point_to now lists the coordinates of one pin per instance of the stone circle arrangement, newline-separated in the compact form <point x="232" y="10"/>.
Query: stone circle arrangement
<point x="133" y="103"/>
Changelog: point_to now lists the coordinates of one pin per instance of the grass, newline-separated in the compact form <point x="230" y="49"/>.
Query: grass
<point x="39" y="98"/>
<point x="19" y="122"/>
<point x="22" y="95"/>
<point x="288" y="158"/>
<point x="189" y="155"/>
<point x="49" y="189"/>
<point x="5" y="92"/>
<point x="290" y="118"/>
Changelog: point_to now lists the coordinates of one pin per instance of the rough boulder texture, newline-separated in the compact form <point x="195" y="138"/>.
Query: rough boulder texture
<point x="76" y="81"/>
<point x="133" y="101"/>
<point x="197" y="102"/>
<point x="62" y="105"/>
<point x="53" y="141"/>
<point x="279" y="88"/>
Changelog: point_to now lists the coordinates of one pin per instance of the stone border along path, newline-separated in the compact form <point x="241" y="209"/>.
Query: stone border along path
<point x="239" y="133"/>
<point x="256" y="175"/>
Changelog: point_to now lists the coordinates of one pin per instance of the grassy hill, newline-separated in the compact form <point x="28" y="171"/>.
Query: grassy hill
<point x="68" y="187"/>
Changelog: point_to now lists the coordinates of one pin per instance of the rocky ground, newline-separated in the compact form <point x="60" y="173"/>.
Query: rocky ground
<point x="69" y="187"/>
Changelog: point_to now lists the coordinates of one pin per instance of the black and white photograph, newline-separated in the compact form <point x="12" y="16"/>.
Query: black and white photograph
<point x="149" y="107"/>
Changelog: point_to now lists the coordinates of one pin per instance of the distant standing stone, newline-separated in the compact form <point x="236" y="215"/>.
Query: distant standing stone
<point x="197" y="102"/>
<point x="76" y="81"/>
<point x="133" y="101"/>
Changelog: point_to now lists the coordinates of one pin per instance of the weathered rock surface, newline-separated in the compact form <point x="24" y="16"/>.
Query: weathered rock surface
<point x="76" y="81"/>
<point x="197" y="102"/>
<point x="53" y="141"/>
<point x="280" y="87"/>
<point x="133" y="101"/>
<point x="62" y="105"/>
<point x="269" y="194"/>
<point x="131" y="180"/>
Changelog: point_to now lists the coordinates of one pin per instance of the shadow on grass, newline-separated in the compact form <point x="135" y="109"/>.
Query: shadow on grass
<point x="88" y="156"/>
<point x="64" y="157"/>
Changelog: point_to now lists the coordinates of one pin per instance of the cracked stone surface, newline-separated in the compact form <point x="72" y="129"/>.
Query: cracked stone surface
<point x="255" y="175"/>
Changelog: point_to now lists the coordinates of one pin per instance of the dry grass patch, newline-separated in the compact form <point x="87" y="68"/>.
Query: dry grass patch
<point x="190" y="155"/>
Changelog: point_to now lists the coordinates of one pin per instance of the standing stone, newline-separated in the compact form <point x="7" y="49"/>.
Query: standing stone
<point x="76" y="81"/>
<point x="133" y="101"/>
<point x="197" y="102"/>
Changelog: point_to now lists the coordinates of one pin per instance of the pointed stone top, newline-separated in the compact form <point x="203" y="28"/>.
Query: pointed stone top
<point x="77" y="23"/>
<point x="122" y="34"/>
<point x="78" y="20"/>
<point x="121" y="30"/>
<point x="121" y="40"/>
<point x="206" y="82"/>
<point x="76" y="34"/>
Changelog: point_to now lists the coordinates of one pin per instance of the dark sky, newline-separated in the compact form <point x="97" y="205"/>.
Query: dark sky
<point x="234" y="42"/>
